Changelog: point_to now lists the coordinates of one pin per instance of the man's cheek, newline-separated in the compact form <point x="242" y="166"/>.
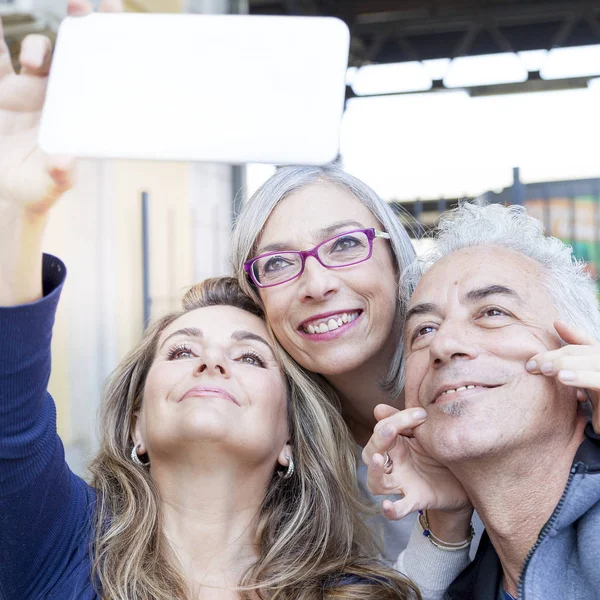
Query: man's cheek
<point x="414" y="385"/>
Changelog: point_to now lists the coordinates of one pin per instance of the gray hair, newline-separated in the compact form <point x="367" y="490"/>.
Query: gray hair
<point x="285" y="182"/>
<point x="567" y="283"/>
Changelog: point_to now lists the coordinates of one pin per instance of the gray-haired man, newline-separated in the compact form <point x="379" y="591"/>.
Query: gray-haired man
<point x="515" y="438"/>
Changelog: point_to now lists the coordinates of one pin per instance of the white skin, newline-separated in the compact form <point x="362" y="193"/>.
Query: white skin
<point x="356" y="356"/>
<point x="479" y="326"/>
<point x="213" y="423"/>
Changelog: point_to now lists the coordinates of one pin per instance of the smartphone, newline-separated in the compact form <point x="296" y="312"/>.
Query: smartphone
<point x="217" y="88"/>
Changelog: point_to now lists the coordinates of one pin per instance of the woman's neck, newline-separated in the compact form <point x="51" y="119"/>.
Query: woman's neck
<point x="360" y="391"/>
<point x="209" y="521"/>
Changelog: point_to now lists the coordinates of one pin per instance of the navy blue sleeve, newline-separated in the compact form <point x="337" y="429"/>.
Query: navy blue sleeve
<point x="44" y="508"/>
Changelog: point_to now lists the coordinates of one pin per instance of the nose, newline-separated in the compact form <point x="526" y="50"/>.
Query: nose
<point x="213" y="362"/>
<point x="454" y="340"/>
<point x="317" y="282"/>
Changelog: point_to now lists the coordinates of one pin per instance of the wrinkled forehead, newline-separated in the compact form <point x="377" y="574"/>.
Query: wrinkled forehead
<point x="480" y="267"/>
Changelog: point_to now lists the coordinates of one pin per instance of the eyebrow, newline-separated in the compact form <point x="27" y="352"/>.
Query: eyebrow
<point x="187" y="332"/>
<point x="470" y="296"/>
<point x="239" y="336"/>
<point x="420" y="309"/>
<point x="320" y="234"/>
<point x="492" y="290"/>
<point x="243" y="335"/>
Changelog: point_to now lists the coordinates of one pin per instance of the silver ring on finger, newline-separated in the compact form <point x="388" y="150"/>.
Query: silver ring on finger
<point x="388" y="465"/>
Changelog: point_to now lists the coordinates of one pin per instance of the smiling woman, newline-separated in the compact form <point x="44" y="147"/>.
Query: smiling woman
<point x="211" y="466"/>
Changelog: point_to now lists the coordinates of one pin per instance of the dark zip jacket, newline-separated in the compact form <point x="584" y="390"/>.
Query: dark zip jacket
<point x="564" y="563"/>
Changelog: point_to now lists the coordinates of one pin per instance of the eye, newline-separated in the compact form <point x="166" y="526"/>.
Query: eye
<point x="276" y="263"/>
<point x="251" y="358"/>
<point x="348" y="242"/>
<point x="180" y="352"/>
<point x="494" y="311"/>
<point x="422" y="331"/>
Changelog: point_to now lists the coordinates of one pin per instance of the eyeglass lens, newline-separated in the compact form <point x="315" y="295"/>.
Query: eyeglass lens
<point x="339" y="251"/>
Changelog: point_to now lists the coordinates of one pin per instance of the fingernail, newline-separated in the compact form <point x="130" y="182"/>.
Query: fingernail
<point x="531" y="365"/>
<point x="419" y="414"/>
<point x="566" y="375"/>
<point x="386" y="431"/>
<point x="32" y="59"/>
<point x="546" y="368"/>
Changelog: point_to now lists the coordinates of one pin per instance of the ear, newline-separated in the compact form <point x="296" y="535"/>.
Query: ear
<point x="136" y="433"/>
<point x="284" y="456"/>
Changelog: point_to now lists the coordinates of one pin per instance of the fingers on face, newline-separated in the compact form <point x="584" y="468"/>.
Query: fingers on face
<point x="569" y="357"/>
<point x="35" y="55"/>
<point x="383" y="411"/>
<point x="581" y="379"/>
<point x="573" y="335"/>
<point x="386" y="432"/>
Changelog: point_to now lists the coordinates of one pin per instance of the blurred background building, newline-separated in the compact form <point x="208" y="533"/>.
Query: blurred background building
<point x="446" y="99"/>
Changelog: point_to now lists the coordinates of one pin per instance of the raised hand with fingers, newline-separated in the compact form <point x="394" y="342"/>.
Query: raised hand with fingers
<point x="577" y="364"/>
<point x="30" y="182"/>
<point x="422" y="482"/>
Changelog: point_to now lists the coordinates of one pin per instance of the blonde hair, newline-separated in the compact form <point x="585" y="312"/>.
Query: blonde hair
<point x="311" y="539"/>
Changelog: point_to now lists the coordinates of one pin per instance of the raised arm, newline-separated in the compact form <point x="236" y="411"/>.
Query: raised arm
<point x="45" y="510"/>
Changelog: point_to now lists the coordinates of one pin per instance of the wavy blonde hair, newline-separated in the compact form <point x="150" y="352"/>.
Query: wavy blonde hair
<point x="311" y="537"/>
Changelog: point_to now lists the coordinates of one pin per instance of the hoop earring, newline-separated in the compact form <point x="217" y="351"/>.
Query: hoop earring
<point x="135" y="458"/>
<point x="290" y="469"/>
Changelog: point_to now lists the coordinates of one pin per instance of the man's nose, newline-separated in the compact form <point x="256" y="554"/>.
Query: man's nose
<point x="454" y="340"/>
<point x="317" y="282"/>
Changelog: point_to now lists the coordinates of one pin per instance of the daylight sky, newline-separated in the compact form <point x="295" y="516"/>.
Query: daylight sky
<point x="446" y="144"/>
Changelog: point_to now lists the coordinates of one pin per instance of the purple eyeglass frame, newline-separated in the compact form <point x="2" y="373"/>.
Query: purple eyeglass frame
<point x="371" y="234"/>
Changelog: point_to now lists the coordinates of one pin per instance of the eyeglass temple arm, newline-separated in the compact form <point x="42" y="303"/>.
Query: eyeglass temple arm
<point x="382" y="234"/>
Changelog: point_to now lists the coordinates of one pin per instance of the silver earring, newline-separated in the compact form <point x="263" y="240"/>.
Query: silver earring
<point x="290" y="469"/>
<point x="135" y="458"/>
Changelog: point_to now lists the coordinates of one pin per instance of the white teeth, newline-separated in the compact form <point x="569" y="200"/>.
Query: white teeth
<point x="331" y="324"/>
<point x="459" y="389"/>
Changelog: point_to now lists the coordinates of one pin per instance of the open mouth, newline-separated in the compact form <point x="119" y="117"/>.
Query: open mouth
<point x="329" y="323"/>
<point x="452" y="392"/>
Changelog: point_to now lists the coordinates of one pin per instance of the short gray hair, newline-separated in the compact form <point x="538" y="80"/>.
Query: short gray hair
<point x="285" y="182"/>
<point x="567" y="283"/>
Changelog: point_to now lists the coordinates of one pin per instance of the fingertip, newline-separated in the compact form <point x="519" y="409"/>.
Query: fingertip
<point x="531" y="365"/>
<point x="566" y="376"/>
<point x="79" y="8"/>
<point x="419" y="414"/>
<point x="111" y="6"/>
